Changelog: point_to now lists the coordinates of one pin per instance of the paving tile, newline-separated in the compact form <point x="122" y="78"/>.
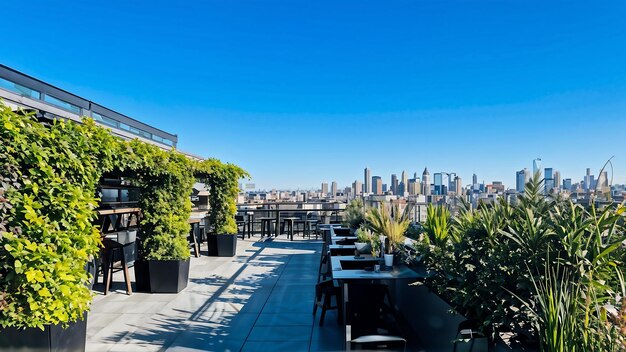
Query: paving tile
<point x="280" y="333"/>
<point x="283" y="346"/>
<point x="284" y="319"/>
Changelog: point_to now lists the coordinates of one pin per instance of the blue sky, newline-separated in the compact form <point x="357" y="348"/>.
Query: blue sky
<point x="301" y="92"/>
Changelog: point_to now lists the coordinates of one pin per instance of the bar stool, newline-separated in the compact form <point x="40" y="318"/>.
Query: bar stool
<point x="288" y="222"/>
<point x="266" y="225"/>
<point x="324" y="292"/>
<point x="113" y="249"/>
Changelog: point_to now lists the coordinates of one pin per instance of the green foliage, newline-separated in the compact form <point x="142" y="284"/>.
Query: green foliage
<point x="382" y="223"/>
<point x="223" y="182"/>
<point x="542" y="265"/>
<point x="354" y="215"/>
<point x="437" y="225"/>
<point x="166" y="179"/>
<point x="49" y="177"/>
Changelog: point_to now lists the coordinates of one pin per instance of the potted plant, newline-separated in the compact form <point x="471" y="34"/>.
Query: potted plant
<point x="47" y="197"/>
<point x="222" y="180"/>
<point x="365" y="240"/>
<point x="390" y="228"/>
<point x="165" y="179"/>
<point x="354" y="215"/>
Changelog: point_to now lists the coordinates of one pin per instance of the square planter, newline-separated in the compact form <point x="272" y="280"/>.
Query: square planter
<point x="222" y="245"/>
<point x="161" y="276"/>
<point x="53" y="338"/>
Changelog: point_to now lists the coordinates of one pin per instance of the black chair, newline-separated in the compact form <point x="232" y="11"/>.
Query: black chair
<point x="325" y="291"/>
<point x="121" y="249"/>
<point x="240" y="220"/>
<point x="371" y="319"/>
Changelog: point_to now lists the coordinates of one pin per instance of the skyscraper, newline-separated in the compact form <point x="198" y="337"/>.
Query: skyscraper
<point x="588" y="180"/>
<point x="333" y="189"/>
<point x="458" y="185"/>
<point x="384" y="188"/>
<point x="426" y="182"/>
<point x="474" y="179"/>
<point x="404" y="184"/>
<point x="548" y="179"/>
<point x="368" y="181"/>
<point x="557" y="179"/>
<point x="438" y="181"/>
<point x="324" y="189"/>
<point x="452" y="182"/>
<point x="357" y="187"/>
<point x="394" y="184"/>
<point x="567" y="184"/>
<point x="520" y="180"/>
<point x="377" y="184"/>
<point x="536" y="166"/>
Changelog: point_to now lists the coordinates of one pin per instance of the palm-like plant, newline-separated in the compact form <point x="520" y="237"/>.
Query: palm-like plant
<point x="437" y="227"/>
<point x="382" y="223"/>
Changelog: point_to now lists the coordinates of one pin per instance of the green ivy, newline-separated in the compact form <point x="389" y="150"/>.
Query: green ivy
<point x="222" y="180"/>
<point x="49" y="177"/>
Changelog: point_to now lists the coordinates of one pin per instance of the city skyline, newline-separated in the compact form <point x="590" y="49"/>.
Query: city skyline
<point x="407" y="92"/>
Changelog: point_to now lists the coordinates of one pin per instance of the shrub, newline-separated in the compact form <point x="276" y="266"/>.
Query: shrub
<point x="49" y="177"/>
<point x="354" y="215"/>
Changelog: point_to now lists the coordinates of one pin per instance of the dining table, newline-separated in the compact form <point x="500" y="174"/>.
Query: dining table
<point x="347" y="276"/>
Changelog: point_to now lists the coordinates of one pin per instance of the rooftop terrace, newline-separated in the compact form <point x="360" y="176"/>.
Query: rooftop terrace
<point x="259" y="300"/>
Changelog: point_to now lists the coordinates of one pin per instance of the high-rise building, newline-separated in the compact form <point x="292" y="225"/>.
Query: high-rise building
<point x="377" y="185"/>
<point x="367" y="183"/>
<point x="536" y="166"/>
<point x="404" y="184"/>
<point x="451" y="182"/>
<point x="324" y="189"/>
<point x="357" y="187"/>
<point x="557" y="179"/>
<point x="548" y="179"/>
<point x="520" y="180"/>
<point x="458" y="185"/>
<point x="384" y="188"/>
<point x="474" y="179"/>
<point x="587" y="181"/>
<point x="394" y="184"/>
<point x="414" y="186"/>
<point x="333" y="189"/>
<point x="438" y="181"/>
<point x="426" y="182"/>
<point x="567" y="184"/>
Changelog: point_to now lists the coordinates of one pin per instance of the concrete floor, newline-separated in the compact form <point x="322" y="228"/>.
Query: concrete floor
<point x="259" y="300"/>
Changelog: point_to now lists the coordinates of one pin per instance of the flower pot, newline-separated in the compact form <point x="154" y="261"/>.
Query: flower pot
<point x="161" y="276"/>
<point x="222" y="245"/>
<point x="363" y="247"/>
<point x="388" y="260"/>
<point x="51" y="338"/>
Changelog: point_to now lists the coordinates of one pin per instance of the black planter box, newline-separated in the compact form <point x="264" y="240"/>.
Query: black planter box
<point x="222" y="245"/>
<point x="52" y="338"/>
<point x="161" y="276"/>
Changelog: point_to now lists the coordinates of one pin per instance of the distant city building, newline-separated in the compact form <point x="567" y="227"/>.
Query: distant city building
<point x="587" y="181"/>
<point x="394" y="184"/>
<point x="414" y="186"/>
<point x="324" y="189"/>
<point x="384" y="188"/>
<point x="404" y="184"/>
<point x="567" y="184"/>
<point x="367" y="181"/>
<point x="458" y="185"/>
<point x="474" y="179"/>
<point x="557" y="179"/>
<point x="521" y="179"/>
<point x="438" y="181"/>
<point x="357" y="187"/>
<point x="333" y="189"/>
<point x="548" y="179"/>
<point x="536" y="166"/>
<point x="377" y="184"/>
<point x="426" y="182"/>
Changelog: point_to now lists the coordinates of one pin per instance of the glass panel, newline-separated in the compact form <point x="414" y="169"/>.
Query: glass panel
<point x="62" y="104"/>
<point x="140" y="132"/>
<point x="19" y="89"/>
<point x="124" y="126"/>
<point x="168" y="142"/>
<point x="157" y="138"/>
<point x="104" y="120"/>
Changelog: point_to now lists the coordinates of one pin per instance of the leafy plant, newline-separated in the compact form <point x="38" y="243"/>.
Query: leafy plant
<point x="365" y="235"/>
<point x="382" y="223"/>
<point x="222" y="180"/>
<point x="354" y="215"/>
<point x="165" y="179"/>
<point x="49" y="177"/>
